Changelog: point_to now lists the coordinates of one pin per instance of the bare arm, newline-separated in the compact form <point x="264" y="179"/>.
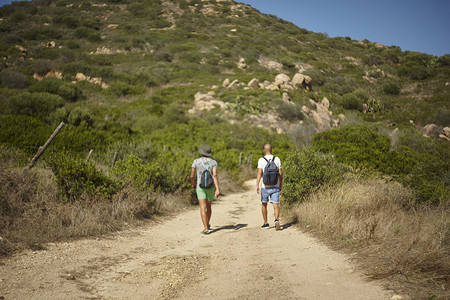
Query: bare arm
<point x="280" y="178"/>
<point x="216" y="182"/>
<point x="258" y="179"/>
<point x="193" y="179"/>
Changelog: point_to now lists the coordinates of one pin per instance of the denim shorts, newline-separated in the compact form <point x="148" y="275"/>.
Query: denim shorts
<point x="270" y="192"/>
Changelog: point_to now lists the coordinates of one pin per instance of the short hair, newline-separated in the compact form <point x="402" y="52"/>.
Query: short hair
<point x="267" y="147"/>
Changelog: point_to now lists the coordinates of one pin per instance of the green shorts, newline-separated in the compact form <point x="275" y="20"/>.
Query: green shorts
<point x="207" y="194"/>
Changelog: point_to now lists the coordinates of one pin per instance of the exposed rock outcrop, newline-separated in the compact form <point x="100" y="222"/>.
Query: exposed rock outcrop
<point x="445" y="134"/>
<point x="95" y="80"/>
<point x="242" y="64"/>
<point x="270" y="64"/>
<point x="431" y="130"/>
<point x="206" y="102"/>
<point x="254" y="83"/>
<point x="322" y="116"/>
<point x="55" y="74"/>
<point x="281" y="81"/>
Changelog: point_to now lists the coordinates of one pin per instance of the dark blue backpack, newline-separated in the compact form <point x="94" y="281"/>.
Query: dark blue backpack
<point x="206" y="178"/>
<point x="270" y="174"/>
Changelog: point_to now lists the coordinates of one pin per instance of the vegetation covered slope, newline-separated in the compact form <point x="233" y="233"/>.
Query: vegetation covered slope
<point x="128" y="70"/>
<point x="124" y="75"/>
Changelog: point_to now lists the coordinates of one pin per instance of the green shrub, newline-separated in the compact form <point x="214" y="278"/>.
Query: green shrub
<point x="359" y="146"/>
<point x="144" y="176"/>
<point x="71" y="44"/>
<point x="290" y="112"/>
<point x="46" y="85"/>
<point x="80" y="116"/>
<point x="82" y="32"/>
<point x="77" y="67"/>
<point x="417" y="161"/>
<point x="307" y="170"/>
<point x="58" y="116"/>
<point x="38" y="105"/>
<point x="352" y="101"/>
<point x="137" y="9"/>
<point x="414" y="71"/>
<point x="391" y="88"/>
<point x="42" y="66"/>
<point x="76" y="177"/>
<point x="23" y="132"/>
<point x="13" y="80"/>
<point x="70" y="92"/>
<point x="317" y="77"/>
<point x="121" y="88"/>
<point x="441" y="117"/>
<point x="41" y="33"/>
<point x="374" y="106"/>
<point x="94" y="37"/>
<point x="341" y="84"/>
<point x="90" y="22"/>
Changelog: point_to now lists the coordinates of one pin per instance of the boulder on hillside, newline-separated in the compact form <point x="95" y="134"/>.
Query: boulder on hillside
<point x="302" y="80"/>
<point x="298" y="79"/>
<point x="242" y="64"/>
<point x="431" y="130"/>
<point x="226" y="82"/>
<point x="254" y="83"/>
<point x="445" y="134"/>
<point x="325" y="102"/>
<point x="282" y="79"/>
<point x="206" y="102"/>
<point x="269" y="64"/>
<point x="323" y="118"/>
<point x="234" y="83"/>
<point x="272" y="87"/>
<point x="286" y="97"/>
<point x="286" y="86"/>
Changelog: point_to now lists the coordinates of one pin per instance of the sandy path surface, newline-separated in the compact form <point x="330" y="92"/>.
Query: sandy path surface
<point x="172" y="260"/>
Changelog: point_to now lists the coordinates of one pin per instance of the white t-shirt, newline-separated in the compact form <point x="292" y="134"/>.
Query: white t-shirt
<point x="262" y="164"/>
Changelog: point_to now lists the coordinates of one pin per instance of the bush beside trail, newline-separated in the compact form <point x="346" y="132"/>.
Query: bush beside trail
<point x="389" y="234"/>
<point x="418" y="163"/>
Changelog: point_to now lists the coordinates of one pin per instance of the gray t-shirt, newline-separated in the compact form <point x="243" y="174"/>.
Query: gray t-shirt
<point x="202" y="163"/>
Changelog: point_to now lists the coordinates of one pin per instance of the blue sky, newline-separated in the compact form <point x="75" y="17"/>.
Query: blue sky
<point x="414" y="25"/>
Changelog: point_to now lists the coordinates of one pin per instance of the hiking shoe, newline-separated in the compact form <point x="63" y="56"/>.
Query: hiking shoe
<point x="277" y="225"/>
<point x="265" y="226"/>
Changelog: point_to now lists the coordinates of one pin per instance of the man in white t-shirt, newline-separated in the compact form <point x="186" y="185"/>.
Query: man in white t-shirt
<point x="269" y="192"/>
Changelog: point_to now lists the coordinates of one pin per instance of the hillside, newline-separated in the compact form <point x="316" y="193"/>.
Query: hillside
<point x="139" y="65"/>
<point x="144" y="83"/>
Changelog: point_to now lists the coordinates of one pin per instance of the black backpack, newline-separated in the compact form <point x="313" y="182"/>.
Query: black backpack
<point x="270" y="174"/>
<point x="206" y="178"/>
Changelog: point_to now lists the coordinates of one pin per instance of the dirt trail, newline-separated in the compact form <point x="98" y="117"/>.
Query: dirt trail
<point x="172" y="260"/>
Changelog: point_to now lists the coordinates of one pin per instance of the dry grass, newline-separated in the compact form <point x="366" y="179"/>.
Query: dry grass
<point x="392" y="237"/>
<point x="32" y="214"/>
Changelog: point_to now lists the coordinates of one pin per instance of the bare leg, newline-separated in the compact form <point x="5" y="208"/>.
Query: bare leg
<point x="203" y="214"/>
<point x="276" y="210"/>
<point x="264" y="212"/>
<point x="208" y="212"/>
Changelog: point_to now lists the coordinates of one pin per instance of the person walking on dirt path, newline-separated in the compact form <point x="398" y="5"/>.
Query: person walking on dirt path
<point x="271" y="186"/>
<point x="206" y="183"/>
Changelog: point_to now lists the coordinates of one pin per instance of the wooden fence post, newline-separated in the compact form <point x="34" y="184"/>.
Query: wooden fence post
<point x="42" y="149"/>
<point x="89" y="155"/>
<point x="114" y="159"/>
